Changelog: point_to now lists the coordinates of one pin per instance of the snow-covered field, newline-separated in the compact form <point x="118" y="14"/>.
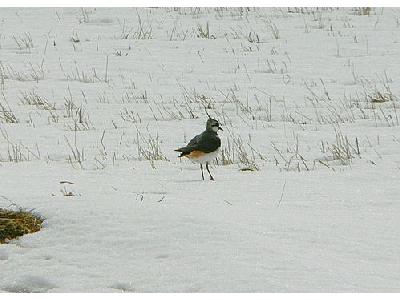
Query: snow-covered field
<point x="306" y="196"/>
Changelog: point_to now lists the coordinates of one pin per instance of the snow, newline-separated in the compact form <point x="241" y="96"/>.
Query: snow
<point x="134" y="217"/>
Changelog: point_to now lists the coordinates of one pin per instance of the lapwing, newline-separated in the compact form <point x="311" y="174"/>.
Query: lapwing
<point x="203" y="148"/>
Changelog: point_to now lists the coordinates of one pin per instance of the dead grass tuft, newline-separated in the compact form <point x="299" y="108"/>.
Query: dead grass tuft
<point x="14" y="224"/>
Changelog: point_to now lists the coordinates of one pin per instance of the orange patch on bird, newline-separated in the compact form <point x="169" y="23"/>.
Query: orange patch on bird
<point x="195" y="154"/>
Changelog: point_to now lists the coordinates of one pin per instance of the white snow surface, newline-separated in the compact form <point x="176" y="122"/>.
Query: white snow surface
<point x="297" y="92"/>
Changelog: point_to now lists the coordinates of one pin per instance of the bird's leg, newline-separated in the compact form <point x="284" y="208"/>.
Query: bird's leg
<point x="202" y="175"/>
<point x="211" y="178"/>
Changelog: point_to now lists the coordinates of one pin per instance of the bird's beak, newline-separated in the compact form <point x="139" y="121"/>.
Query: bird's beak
<point x="220" y="128"/>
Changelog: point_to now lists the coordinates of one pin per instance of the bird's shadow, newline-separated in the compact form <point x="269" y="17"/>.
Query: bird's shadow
<point x="193" y="180"/>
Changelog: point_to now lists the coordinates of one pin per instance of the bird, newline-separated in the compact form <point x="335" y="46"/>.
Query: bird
<point x="204" y="147"/>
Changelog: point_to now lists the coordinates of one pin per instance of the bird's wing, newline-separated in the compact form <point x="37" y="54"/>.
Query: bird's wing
<point x="209" y="142"/>
<point x="206" y="142"/>
<point x="192" y="145"/>
<point x="194" y="142"/>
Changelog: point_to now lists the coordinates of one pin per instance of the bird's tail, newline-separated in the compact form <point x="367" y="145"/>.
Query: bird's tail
<point x="183" y="151"/>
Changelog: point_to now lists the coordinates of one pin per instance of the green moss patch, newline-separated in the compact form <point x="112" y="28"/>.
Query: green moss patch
<point x="17" y="223"/>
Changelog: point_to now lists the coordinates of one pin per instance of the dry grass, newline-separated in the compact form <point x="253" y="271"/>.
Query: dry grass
<point x="17" y="223"/>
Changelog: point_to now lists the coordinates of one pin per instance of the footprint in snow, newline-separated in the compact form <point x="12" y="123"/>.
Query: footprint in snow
<point x="123" y="286"/>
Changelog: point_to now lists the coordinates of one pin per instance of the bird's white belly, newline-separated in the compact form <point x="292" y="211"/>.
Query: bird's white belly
<point x="208" y="157"/>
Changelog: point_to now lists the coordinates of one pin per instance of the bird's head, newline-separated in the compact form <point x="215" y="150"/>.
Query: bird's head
<point x="213" y="125"/>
